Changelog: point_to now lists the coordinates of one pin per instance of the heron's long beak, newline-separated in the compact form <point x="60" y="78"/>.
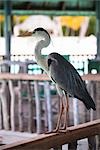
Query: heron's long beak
<point x="25" y="34"/>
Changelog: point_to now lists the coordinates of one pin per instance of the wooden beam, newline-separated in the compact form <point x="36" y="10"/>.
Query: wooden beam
<point x="23" y="76"/>
<point x="42" y="77"/>
<point x="91" y="77"/>
<point x="53" y="12"/>
<point x="46" y="141"/>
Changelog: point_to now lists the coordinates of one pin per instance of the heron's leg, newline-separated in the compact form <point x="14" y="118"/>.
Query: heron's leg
<point x="66" y="115"/>
<point x="60" y="114"/>
<point x="66" y="118"/>
<point x="59" y="117"/>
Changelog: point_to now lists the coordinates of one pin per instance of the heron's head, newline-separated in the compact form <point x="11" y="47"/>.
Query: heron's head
<point x="38" y="32"/>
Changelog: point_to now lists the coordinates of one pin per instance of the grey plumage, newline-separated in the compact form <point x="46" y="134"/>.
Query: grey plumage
<point x="65" y="75"/>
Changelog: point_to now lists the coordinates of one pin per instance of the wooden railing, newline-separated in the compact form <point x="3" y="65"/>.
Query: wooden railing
<point x="42" y="77"/>
<point x="32" y="83"/>
<point x="55" y="140"/>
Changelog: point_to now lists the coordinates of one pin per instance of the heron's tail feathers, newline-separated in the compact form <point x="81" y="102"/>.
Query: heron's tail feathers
<point x="87" y="100"/>
<point x="89" y="103"/>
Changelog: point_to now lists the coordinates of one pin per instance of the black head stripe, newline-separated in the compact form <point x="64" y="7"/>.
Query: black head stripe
<point x="40" y="29"/>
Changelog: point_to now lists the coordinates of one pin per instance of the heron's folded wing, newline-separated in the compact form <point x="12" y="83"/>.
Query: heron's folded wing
<point x="66" y="76"/>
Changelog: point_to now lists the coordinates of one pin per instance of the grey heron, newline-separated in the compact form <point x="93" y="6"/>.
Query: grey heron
<point x="63" y="74"/>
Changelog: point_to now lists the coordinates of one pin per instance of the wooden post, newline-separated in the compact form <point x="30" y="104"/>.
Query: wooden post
<point x="75" y="111"/>
<point x="0" y="115"/>
<point x="91" y="91"/>
<point x="38" y="107"/>
<point x="92" y="140"/>
<point x="98" y="28"/>
<point x="58" y="148"/>
<point x="73" y="145"/>
<point x="48" y="102"/>
<point x="97" y="100"/>
<point x="4" y="106"/>
<point x="12" y="105"/>
<point x="20" y="113"/>
<point x="30" y="122"/>
<point x="7" y="28"/>
<point x="98" y="108"/>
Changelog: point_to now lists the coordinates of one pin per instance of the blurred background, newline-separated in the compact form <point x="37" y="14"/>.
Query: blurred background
<point x="72" y="25"/>
<point x="29" y="104"/>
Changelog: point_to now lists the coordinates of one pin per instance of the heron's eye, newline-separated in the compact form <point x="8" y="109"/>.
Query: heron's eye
<point x="49" y="62"/>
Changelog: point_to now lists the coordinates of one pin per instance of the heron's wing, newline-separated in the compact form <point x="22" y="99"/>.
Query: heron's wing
<point x="65" y="75"/>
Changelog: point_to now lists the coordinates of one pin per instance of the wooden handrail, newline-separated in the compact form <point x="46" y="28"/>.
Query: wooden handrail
<point x="42" y="77"/>
<point x="46" y="141"/>
<point x="23" y="76"/>
<point x="91" y="77"/>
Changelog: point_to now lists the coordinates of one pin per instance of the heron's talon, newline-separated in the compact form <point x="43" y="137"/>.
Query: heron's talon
<point x="63" y="131"/>
<point x="53" y="131"/>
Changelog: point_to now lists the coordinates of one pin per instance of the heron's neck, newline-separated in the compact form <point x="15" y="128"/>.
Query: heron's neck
<point x="39" y="57"/>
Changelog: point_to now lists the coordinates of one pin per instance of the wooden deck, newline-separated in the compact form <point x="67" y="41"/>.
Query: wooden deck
<point x="46" y="141"/>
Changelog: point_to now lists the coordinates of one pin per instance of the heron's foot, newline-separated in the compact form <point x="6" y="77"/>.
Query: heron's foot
<point x="56" y="130"/>
<point x="60" y="130"/>
<point x="53" y="131"/>
<point x="63" y="130"/>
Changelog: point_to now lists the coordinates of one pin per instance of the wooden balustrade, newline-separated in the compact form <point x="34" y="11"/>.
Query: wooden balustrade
<point x="7" y="119"/>
<point x="19" y="78"/>
<point x="54" y="140"/>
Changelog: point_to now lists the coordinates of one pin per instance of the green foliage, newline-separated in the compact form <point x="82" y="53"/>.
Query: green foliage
<point x="92" y="26"/>
<point x="1" y="28"/>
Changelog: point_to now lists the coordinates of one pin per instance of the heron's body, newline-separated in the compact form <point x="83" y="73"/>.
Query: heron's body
<point x="63" y="74"/>
<point x="68" y="79"/>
